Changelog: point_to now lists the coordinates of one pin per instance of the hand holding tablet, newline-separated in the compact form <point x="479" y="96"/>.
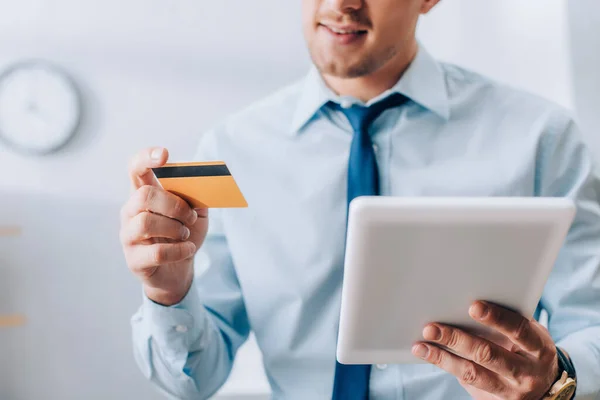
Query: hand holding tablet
<point x="525" y="366"/>
<point x="416" y="270"/>
<point x="415" y="261"/>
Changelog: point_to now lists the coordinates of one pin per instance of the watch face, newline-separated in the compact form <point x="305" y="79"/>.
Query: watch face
<point x="39" y="108"/>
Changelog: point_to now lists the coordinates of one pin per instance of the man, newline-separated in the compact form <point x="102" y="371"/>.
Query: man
<point x="377" y="115"/>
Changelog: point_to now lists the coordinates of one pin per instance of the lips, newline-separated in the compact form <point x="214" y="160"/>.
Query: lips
<point x="344" y="34"/>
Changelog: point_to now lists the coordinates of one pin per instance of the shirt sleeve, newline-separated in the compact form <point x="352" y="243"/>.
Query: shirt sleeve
<point x="572" y="294"/>
<point x="187" y="350"/>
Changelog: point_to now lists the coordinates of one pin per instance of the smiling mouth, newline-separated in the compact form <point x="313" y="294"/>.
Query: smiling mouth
<point x="346" y="31"/>
<point x="347" y="35"/>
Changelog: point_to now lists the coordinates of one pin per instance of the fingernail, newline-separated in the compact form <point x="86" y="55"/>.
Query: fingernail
<point x="156" y="154"/>
<point x="192" y="247"/>
<point x="479" y="310"/>
<point x="420" y="350"/>
<point x="185" y="233"/>
<point x="202" y="212"/>
<point x="432" y="332"/>
<point x="194" y="217"/>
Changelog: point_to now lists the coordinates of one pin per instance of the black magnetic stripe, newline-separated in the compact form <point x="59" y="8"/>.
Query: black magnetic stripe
<point x="191" y="171"/>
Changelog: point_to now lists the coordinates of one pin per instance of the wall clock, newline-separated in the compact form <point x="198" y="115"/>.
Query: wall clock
<point x="40" y="107"/>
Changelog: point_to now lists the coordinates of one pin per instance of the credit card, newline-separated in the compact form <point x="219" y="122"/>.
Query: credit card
<point x="202" y="184"/>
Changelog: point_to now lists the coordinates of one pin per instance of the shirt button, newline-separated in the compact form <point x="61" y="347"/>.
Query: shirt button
<point x="381" y="366"/>
<point x="375" y="148"/>
<point x="181" y="328"/>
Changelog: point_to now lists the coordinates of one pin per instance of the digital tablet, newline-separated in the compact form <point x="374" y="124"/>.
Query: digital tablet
<point x="413" y="261"/>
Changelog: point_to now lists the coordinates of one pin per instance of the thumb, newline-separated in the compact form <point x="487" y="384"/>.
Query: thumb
<point x="140" y="167"/>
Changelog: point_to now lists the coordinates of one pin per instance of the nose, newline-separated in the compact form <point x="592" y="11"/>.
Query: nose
<point x="344" y="5"/>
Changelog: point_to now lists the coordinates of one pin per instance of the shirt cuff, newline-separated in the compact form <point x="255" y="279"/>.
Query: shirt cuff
<point x="175" y="328"/>
<point x="585" y="356"/>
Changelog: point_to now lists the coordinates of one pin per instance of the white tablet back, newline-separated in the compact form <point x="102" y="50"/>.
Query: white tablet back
<point x="412" y="261"/>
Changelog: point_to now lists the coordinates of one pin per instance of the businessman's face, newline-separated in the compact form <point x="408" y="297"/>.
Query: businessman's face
<point x="353" y="38"/>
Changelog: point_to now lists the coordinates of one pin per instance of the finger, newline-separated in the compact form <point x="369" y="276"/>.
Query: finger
<point x="467" y="372"/>
<point x="511" y="324"/>
<point x="142" y="257"/>
<point x="159" y="201"/>
<point x="483" y="352"/>
<point x="147" y="225"/>
<point x="202" y="212"/>
<point x="140" y="167"/>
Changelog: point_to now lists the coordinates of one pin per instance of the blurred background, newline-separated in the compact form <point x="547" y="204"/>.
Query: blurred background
<point x="160" y="72"/>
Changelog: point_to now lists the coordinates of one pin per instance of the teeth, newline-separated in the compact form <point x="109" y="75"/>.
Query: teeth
<point x="343" y="32"/>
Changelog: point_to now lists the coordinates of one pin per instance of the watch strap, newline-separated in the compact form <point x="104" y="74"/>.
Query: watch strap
<point x="565" y="364"/>
<point x="565" y="386"/>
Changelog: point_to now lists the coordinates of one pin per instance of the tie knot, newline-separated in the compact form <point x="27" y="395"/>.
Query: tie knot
<point x="361" y="117"/>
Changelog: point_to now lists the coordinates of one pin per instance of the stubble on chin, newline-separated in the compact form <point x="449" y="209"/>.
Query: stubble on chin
<point x="329" y="65"/>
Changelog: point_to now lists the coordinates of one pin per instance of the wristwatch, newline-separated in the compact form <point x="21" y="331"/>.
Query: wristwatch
<point x="564" y="388"/>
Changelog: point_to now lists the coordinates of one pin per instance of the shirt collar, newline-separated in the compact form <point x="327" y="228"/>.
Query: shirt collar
<point x="314" y="94"/>
<point x="423" y="82"/>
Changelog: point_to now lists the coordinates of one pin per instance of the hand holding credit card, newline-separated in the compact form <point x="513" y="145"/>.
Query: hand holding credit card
<point x="160" y="232"/>
<point x="202" y="184"/>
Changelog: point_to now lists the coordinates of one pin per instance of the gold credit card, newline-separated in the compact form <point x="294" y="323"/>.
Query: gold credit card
<point x="202" y="184"/>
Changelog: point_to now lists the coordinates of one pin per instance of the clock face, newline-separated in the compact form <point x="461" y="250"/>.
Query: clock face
<point x="39" y="108"/>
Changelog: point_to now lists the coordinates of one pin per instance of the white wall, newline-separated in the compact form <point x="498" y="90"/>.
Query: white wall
<point x="523" y="43"/>
<point x="159" y="72"/>
<point x="584" y="18"/>
<point x="152" y="73"/>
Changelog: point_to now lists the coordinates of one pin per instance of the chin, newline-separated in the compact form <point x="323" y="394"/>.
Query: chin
<point x="350" y="64"/>
<point x="346" y="70"/>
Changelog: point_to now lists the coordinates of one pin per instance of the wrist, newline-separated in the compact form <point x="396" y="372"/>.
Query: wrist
<point x="565" y="384"/>
<point x="164" y="297"/>
<point x="172" y="295"/>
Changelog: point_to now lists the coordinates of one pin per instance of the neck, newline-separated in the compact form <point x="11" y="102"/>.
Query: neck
<point x="370" y="86"/>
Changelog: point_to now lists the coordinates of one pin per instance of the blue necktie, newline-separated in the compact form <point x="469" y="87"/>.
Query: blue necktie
<point x="352" y="381"/>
